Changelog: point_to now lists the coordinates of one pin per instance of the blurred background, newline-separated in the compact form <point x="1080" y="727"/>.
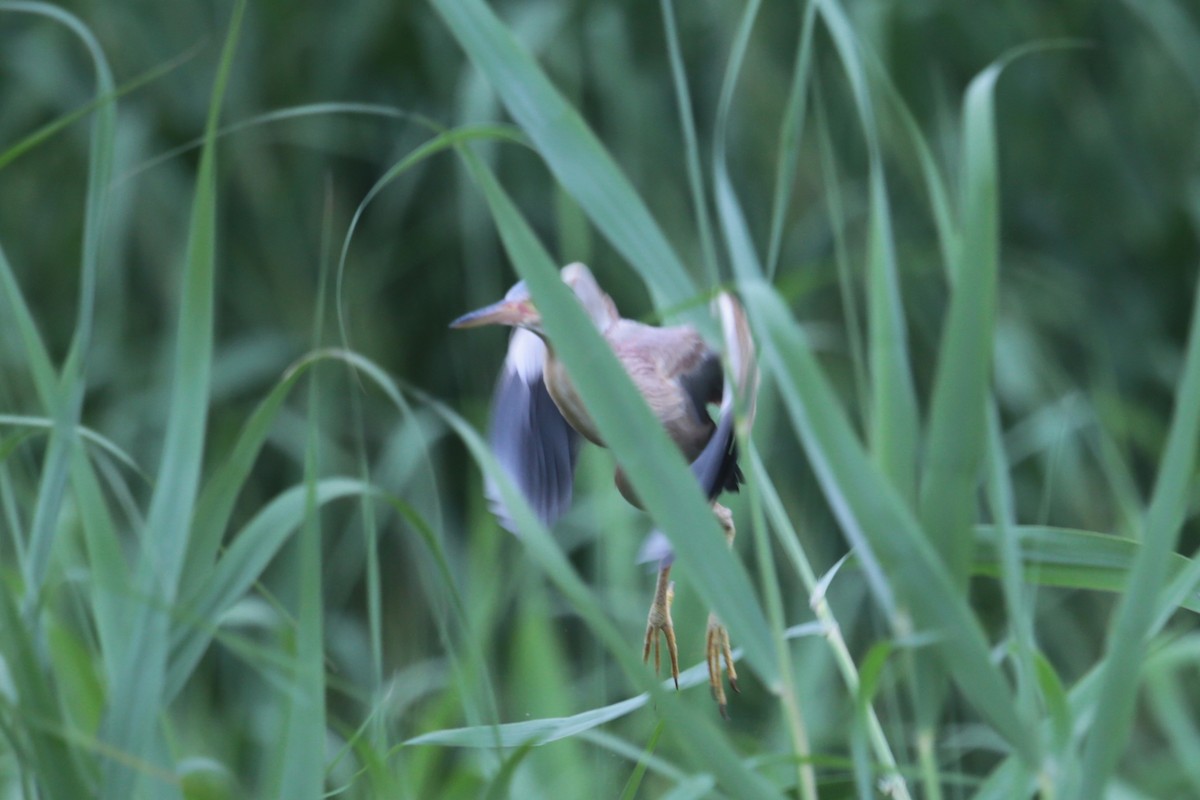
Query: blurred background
<point x="1100" y="209"/>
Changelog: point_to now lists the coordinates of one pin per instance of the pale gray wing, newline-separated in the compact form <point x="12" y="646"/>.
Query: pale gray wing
<point x="531" y="440"/>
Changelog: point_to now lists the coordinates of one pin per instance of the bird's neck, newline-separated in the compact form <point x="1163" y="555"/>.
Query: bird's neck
<point x="570" y="405"/>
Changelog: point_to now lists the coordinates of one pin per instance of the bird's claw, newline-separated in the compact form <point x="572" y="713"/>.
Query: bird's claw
<point x="717" y="647"/>
<point x="659" y="621"/>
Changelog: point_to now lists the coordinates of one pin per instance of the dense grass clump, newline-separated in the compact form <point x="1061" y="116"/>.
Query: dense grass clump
<point x="243" y="545"/>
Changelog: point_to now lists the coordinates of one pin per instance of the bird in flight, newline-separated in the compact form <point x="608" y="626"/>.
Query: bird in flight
<point x="538" y="420"/>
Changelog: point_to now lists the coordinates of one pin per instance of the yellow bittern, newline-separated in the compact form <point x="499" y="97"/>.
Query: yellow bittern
<point x="538" y="418"/>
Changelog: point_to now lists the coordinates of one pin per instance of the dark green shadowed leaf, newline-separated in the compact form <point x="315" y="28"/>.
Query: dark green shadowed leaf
<point x="50" y="129"/>
<point x="443" y="141"/>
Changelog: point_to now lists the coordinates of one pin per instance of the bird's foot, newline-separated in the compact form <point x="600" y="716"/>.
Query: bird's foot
<point x="717" y="647"/>
<point x="659" y="621"/>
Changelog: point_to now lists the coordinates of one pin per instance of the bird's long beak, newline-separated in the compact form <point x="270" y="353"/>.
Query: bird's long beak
<point x="506" y="312"/>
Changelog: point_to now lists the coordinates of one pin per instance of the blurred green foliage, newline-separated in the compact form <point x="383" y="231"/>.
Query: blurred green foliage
<point x="1099" y="208"/>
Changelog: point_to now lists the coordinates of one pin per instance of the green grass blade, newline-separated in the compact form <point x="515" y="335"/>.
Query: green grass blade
<point x="691" y="148"/>
<point x="100" y="161"/>
<point x="1179" y="593"/>
<point x="789" y="542"/>
<point x="1020" y="611"/>
<point x="303" y="758"/>
<point x="935" y="184"/>
<point x="846" y="283"/>
<point x="639" y="771"/>
<point x="83" y="432"/>
<point x="302" y="755"/>
<point x="109" y="578"/>
<point x="570" y="149"/>
<point x="65" y="409"/>
<point x="787" y="160"/>
<point x="895" y="427"/>
<point x="544" y="731"/>
<point x="137" y="689"/>
<point x="251" y="550"/>
<point x="746" y="266"/>
<point x="877" y="522"/>
<point x="216" y="501"/>
<point x="742" y="254"/>
<point x="957" y="429"/>
<point x="280" y="115"/>
<point x="1126" y="649"/>
<point x="37" y="357"/>
<point x="894" y="423"/>
<point x="1072" y="558"/>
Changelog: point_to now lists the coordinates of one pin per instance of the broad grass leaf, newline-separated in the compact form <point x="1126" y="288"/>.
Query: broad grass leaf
<point x="570" y="149"/>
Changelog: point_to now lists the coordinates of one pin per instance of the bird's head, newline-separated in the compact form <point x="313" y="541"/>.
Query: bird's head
<point x="517" y="310"/>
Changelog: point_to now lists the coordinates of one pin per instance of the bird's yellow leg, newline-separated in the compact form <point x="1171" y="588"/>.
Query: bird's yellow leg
<point x="717" y="638"/>
<point x="659" y="620"/>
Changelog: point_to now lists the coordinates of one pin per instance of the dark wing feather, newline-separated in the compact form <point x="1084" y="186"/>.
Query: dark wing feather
<point x="703" y="383"/>
<point x="531" y="440"/>
<point x="716" y="467"/>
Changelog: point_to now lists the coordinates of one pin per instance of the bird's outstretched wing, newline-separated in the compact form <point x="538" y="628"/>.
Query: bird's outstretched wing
<point x="531" y="440"/>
